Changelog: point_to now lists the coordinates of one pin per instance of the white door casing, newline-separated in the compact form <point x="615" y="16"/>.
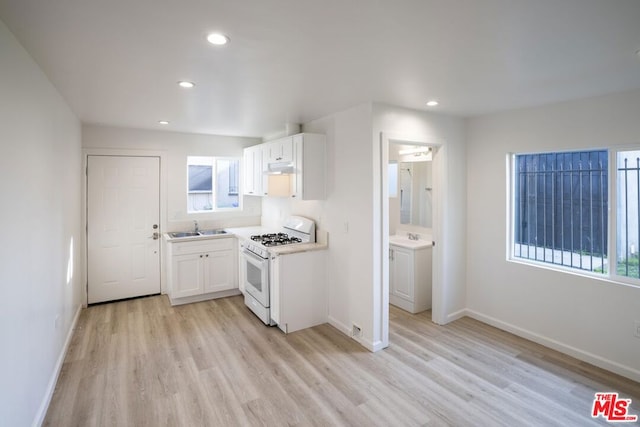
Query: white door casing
<point x="123" y="247"/>
<point x="381" y="312"/>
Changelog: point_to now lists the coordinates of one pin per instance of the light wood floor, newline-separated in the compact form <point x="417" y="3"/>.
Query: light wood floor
<point x="144" y="363"/>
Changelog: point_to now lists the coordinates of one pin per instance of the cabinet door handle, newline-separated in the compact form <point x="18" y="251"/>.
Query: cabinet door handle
<point x="391" y="254"/>
<point x="200" y="256"/>
<point x="207" y="255"/>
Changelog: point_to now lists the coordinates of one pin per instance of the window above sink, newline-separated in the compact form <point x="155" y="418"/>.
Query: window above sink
<point x="212" y="184"/>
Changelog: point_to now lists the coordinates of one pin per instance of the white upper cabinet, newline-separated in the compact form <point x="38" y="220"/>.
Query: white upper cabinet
<point x="280" y="150"/>
<point x="253" y="171"/>
<point x="300" y="157"/>
<point x="308" y="178"/>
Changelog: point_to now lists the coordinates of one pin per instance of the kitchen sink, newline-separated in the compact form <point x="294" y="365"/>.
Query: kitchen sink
<point x="178" y="234"/>
<point x="212" y="232"/>
<point x="184" y="234"/>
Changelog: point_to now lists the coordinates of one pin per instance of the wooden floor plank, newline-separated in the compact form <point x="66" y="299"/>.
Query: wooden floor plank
<point x="142" y="362"/>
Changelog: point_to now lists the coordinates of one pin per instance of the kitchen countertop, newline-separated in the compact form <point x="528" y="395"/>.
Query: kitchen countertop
<point x="170" y="239"/>
<point x="245" y="233"/>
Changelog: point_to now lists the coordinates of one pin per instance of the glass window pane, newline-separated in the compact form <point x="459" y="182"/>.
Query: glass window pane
<point x="627" y="213"/>
<point x="199" y="184"/>
<point x="227" y="183"/>
<point x="560" y="209"/>
<point x="200" y="178"/>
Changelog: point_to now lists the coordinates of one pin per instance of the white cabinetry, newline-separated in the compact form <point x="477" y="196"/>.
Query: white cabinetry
<point x="253" y="169"/>
<point x="298" y="290"/>
<point x="279" y="150"/>
<point x="308" y="179"/>
<point x="300" y="157"/>
<point x="202" y="269"/>
<point x="240" y="265"/>
<point x="410" y="278"/>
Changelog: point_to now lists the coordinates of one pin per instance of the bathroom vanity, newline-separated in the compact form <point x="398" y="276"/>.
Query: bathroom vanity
<point x="410" y="273"/>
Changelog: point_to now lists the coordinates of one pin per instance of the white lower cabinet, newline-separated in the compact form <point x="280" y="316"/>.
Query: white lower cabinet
<point x="298" y="290"/>
<point x="410" y="278"/>
<point x="202" y="269"/>
<point x="241" y="271"/>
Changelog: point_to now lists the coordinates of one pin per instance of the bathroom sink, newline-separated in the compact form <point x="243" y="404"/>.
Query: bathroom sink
<point x="405" y="242"/>
<point x="184" y="234"/>
<point x="212" y="232"/>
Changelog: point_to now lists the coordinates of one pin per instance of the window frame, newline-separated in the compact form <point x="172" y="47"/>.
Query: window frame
<point x="512" y="215"/>
<point x="214" y="192"/>
<point x="613" y="236"/>
<point x="610" y="275"/>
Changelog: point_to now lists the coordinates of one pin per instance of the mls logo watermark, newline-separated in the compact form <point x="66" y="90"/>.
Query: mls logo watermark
<point x="613" y="409"/>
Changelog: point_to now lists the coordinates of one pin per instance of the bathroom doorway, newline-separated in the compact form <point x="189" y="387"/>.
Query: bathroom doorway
<point x="412" y="191"/>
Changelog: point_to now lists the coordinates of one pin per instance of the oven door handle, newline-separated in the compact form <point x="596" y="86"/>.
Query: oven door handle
<point x="253" y="256"/>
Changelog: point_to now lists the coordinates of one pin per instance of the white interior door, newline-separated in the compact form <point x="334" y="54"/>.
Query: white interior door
<point x="123" y="217"/>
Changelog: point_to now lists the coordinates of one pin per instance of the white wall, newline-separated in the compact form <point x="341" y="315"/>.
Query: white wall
<point x="352" y="217"/>
<point x="40" y="186"/>
<point x="346" y="216"/>
<point x="174" y="148"/>
<point x="449" y="133"/>
<point x="589" y="318"/>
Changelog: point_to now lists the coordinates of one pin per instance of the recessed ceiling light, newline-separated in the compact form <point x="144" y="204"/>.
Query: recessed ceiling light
<point x="217" y="39"/>
<point x="186" y="84"/>
<point x="163" y="122"/>
<point x="432" y="103"/>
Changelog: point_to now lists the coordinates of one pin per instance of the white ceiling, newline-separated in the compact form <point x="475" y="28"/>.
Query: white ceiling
<point x="117" y="61"/>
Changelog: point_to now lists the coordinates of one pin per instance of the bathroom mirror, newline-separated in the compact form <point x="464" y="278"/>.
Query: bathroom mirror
<point x="410" y="182"/>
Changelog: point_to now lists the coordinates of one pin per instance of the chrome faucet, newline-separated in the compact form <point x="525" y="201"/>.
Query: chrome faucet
<point x="413" y="236"/>
<point x="196" y="228"/>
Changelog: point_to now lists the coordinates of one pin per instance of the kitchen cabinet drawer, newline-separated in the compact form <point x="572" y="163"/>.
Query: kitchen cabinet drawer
<point x="197" y="246"/>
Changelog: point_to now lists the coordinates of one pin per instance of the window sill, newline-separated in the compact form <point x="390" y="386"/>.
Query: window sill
<point x="633" y="283"/>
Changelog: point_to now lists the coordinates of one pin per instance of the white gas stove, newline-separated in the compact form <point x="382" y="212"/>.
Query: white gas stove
<point x="296" y="229"/>
<point x="257" y="262"/>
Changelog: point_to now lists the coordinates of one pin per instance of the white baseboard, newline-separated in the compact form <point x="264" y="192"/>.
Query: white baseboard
<point x="339" y="326"/>
<point x="44" y="406"/>
<point x="585" y="356"/>
<point x="369" y="345"/>
<point x="456" y="315"/>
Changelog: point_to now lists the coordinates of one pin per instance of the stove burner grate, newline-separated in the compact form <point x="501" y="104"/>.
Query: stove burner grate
<point x="275" y="239"/>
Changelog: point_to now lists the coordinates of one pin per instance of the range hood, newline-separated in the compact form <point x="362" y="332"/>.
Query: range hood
<point x="278" y="168"/>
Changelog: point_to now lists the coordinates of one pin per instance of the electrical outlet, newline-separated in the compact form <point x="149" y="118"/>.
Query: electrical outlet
<point x="356" y="331"/>
<point x="636" y="329"/>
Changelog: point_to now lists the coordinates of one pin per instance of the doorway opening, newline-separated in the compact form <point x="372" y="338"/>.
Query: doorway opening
<point x="411" y="204"/>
